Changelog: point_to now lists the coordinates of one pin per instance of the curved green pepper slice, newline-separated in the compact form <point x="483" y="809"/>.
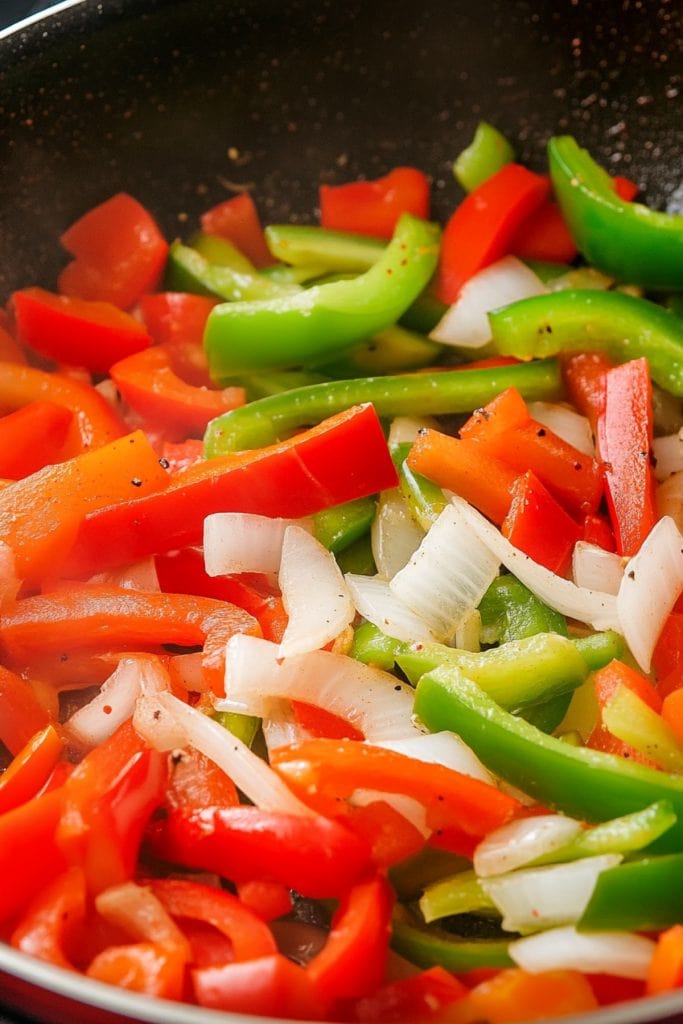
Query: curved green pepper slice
<point x="642" y="895"/>
<point x="629" y="240"/>
<point x="311" y="326"/>
<point x="427" y="947"/>
<point x="579" y="320"/>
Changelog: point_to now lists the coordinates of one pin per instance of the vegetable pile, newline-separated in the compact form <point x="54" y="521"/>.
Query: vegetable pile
<point x="341" y="601"/>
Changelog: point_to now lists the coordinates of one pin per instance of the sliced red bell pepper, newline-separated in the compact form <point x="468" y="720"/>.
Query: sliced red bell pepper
<point x="421" y="997"/>
<point x="539" y="526"/>
<point x="250" y="936"/>
<point x="196" y="782"/>
<point x="23" y="716"/>
<point x="32" y="437"/>
<point x="180" y="455"/>
<point x="64" y="493"/>
<point x="268" y="900"/>
<point x="48" y="925"/>
<point x="625" y="188"/>
<point x="544" y="235"/>
<point x="352" y="962"/>
<point x="596" y="529"/>
<point x="108" y="800"/>
<point x="321" y="723"/>
<point x="30" y="769"/>
<point x="323" y="772"/>
<point x="390" y="835"/>
<point x="315" y="856"/>
<point x="506" y="412"/>
<point x="624" y="436"/>
<point x="481" y="229"/>
<point x="94" y="422"/>
<point x="342" y="458"/>
<point x="237" y="219"/>
<point x="667" y="657"/>
<point x="584" y="378"/>
<point x="77" y="332"/>
<point x="373" y="207"/>
<point x="271" y="986"/>
<point x="120" y="253"/>
<point x="606" y="681"/>
<point x="152" y="968"/>
<point x="176" y="316"/>
<point x="10" y="350"/>
<point x="29" y="854"/>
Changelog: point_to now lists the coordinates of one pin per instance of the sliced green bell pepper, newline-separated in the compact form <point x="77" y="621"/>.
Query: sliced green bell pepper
<point x="627" y="834"/>
<point x="428" y="947"/>
<point x="302" y="244"/>
<point x="642" y="895"/>
<point x="421" y="394"/>
<point x="624" y="326"/>
<point x="339" y="526"/>
<point x="395" y="350"/>
<point x="311" y="326"/>
<point x="510" y="611"/>
<point x="586" y="784"/>
<point x="488" y="151"/>
<point x="189" y="271"/>
<point x="626" y="239"/>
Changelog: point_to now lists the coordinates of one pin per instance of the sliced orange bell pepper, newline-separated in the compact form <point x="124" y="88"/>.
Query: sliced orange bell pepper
<point x="152" y="968"/>
<point x="30" y="769"/>
<point x="23" y="715"/>
<point x="517" y="995"/>
<point x="666" y="966"/>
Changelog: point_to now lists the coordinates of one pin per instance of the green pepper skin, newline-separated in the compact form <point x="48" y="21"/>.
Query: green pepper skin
<point x="190" y="271"/>
<point x="512" y="611"/>
<point x="583" y="783"/>
<point x="488" y="151"/>
<point x="429" y="947"/>
<point x="340" y="526"/>
<point x="302" y="244"/>
<point x="420" y="394"/>
<point x="313" y="325"/>
<point x="630" y="241"/>
<point x="585" y="319"/>
<point x="425" y="498"/>
<point x="642" y="895"/>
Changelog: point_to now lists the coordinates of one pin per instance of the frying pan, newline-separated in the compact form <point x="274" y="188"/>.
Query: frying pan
<point x="180" y="102"/>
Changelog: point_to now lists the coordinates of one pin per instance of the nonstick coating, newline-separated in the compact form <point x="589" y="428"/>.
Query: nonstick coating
<point x="181" y="103"/>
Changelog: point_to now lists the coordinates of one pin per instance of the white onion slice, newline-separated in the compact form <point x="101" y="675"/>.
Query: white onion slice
<point x="669" y="498"/>
<point x="595" y="607"/>
<point x="468" y="632"/>
<point x="448" y="575"/>
<point x="668" y="453"/>
<point x="280" y="728"/>
<point x="394" y="534"/>
<point x="593" y="567"/>
<point x="466" y="324"/>
<point x="521" y="841"/>
<point x="404" y="429"/>
<point x="621" y="954"/>
<point x="571" y="426"/>
<point x="256" y="779"/>
<point x="653" y="580"/>
<point x="371" y="700"/>
<point x="375" y="601"/>
<point x="443" y="748"/>
<point x="93" y="723"/>
<point x="242" y="542"/>
<point x="537" y="898"/>
<point x="317" y="601"/>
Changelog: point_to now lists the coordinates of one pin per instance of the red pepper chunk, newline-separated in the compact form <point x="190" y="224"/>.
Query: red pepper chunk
<point x="420" y="997"/>
<point x="270" y="986"/>
<point x="30" y="769"/>
<point x="545" y="236"/>
<point x="606" y="681"/>
<point x="29" y="854"/>
<point x="237" y="220"/>
<point x="32" y="437"/>
<point x="50" y="922"/>
<point x="76" y="331"/>
<point x="176" y="316"/>
<point x="624" y="434"/>
<point x="538" y="525"/>
<point x="373" y="207"/>
<point x="482" y="228"/>
<point x="120" y="253"/>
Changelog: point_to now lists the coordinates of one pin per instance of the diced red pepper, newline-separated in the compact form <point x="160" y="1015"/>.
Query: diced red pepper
<point x="596" y="529"/>
<point x="30" y="768"/>
<point x="544" y="235"/>
<point x="268" y="900"/>
<point x="75" y="331"/>
<point x="373" y="207"/>
<point x="172" y="317"/>
<point x="120" y="253"/>
<point x="23" y="716"/>
<point x="421" y="997"/>
<point x="538" y="525"/>
<point x="196" y="782"/>
<point x="625" y="188"/>
<point x="32" y="437"/>
<point x="151" y="968"/>
<point x="482" y="228"/>
<point x="237" y="220"/>
<point x="506" y="412"/>
<point x="267" y="987"/>
<point x="29" y="854"/>
<point x="606" y="681"/>
<point x="584" y="377"/>
<point x="321" y="723"/>
<point x="48" y="925"/>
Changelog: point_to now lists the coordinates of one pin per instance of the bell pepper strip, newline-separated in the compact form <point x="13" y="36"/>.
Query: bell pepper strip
<point x="510" y="611"/>
<point x="627" y="717"/>
<point x="624" y="438"/>
<point x="374" y="207"/>
<point x="584" y="376"/>
<point x="507" y="411"/>
<point x="605" y="683"/>
<point x="482" y="227"/>
<point x="108" y="799"/>
<point x="429" y="947"/>
<point x="77" y="332"/>
<point x="518" y="995"/>
<point x="426" y="499"/>
<point x="539" y="526"/>
<point x="313" y="325"/>
<point x="250" y="936"/>
<point x="268" y="900"/>
<point x="341" y="525"/>
<point x="175" y="316"/>
<point x="544" y="235"/>
<point x="639" y="895"/>
<point x="343" y="458"/>
<point x="488" y="152"/>
<point x="394" y="350"/>
<point x="622" y="326"/>
<point x="49" y="925"/>
<point x="150" y="968"/>
<point x="120" y="253"/>
<point x="672" y="711"/>
<point x="237" y="219"/>
<point x="352" y="962"/>
<point x="666" y="967"/>
<point x="94" y="422"/>
<point x="629" y="834"/>
<point x="316" y="856"/>
<point x="195" y="782"/>
<point x="323" y="771"/>
<point x="463" y="466"/>
<point x="301" y="245"/>
<point x="389" y="834"/>
<point x="23" y="716"/>
<point x="10" y="349"/>
<point x="66" y="492"/>
<point x="596" y="530"/>
<point x="32" y="437"/>
<point x="667" y="657"/>
<point x="30" y="769"/>
<point x="29" y="854"/>
<point x="268" y="986"/>
<point x="189" y="270"/>
<point x="424" y="996"/>
<point x="150" y="384"/>
<point x="586" y="784"/>
<point x="417" y="394"/>
<point x="634" y="243"/>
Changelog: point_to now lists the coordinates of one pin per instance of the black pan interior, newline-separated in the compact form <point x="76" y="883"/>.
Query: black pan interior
<point x="180" y="101"/>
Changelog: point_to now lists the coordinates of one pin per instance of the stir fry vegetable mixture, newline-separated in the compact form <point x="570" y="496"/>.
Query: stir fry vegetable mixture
<point x="341" y="615"/>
